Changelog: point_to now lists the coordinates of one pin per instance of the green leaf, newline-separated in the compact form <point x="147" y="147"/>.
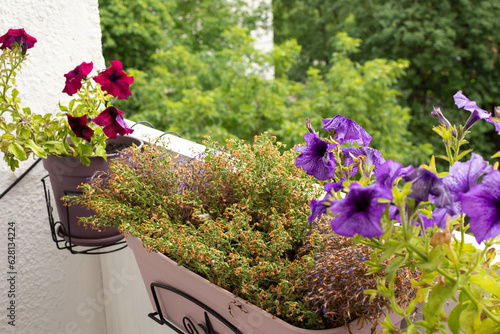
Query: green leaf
<point x="391" y="269"/>
<point x="466" y="319"/>
<point x="7" y="136"/>
<point x="454" y="317"/>
<point x="489" y="326"/>
<point x="433" y="262"/>
<point x="18" y="151"/>
<point x="487" y="282"/>
<point x="25" y="133"/>
<point x="437" y="297"/>
<point x="36" y="149"/>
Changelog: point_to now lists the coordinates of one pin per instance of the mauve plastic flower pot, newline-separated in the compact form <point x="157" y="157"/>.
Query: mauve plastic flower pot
<point x="66" y="174"/>
<point x="188" y="301"/>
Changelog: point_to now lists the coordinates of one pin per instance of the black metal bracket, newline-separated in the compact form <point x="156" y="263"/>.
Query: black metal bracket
<point x="57" y="231"/>
<point x="188" y="324"/>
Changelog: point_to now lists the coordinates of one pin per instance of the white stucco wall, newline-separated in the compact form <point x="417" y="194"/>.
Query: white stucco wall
<point x="50" y="285"/>
<point x="57" y="292"/>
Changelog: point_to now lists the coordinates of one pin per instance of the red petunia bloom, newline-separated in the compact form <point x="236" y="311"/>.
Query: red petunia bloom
<point x="112" y="121"/>
<point x="80" y="127"/>
<point x="18" y="36"/>
<point x="114" y="81"/>
<point x="75" y="77"/>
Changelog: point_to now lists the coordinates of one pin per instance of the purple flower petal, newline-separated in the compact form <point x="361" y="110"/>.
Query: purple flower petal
<point x="389" y="171"/>
<point x="316" y="157"/>
<point x="80" y="127"/>
<point x="74" y="78"/>
<point x="481" y="204"/>
<point x="439" y="215"/>
<point x="18" y="36"/>
<point x="318" y="207"/>
<point x="360" y="212"/>
<point x="464" y="175"/>
<point x="476" y="113"/>
<point x="347" y="130"/>
<point x="428" y="186"/>
<point x="112" y="121"/>
<point x="114" y="81"/>
<point x="372" y="157"/>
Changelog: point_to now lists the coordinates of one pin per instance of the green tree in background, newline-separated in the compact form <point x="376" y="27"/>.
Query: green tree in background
<point x="187" y="86"/>
<point x="451" y="45"/>
<point x="133" y="30"/>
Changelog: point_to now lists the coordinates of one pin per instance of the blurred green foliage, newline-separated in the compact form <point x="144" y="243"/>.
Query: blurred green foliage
<point x="212" y="79"/>
<point x="451" y="45"/>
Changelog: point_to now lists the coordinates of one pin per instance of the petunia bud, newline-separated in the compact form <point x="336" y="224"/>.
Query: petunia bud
<point x="436" y="113"/>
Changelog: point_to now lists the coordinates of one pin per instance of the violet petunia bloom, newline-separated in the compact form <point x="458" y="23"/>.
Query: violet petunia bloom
<point x="481" y="204"/>
<point x="319" y="207"/>
<point x="346" y="130"/>
<point x="18" y="36"/>
<point x="476" y="113"/>
<point x="316" y="157"/>
<point x="464" y="175"/>
<point x="389" y="171"/>
<point x="428" y="186"/>
<point x="114" y="81"/>
<point x="112" y="121"/>
<point x="372" y="157"/>
<point x="439" y="215"/>
<point x="74" y="78"/>
<point x="80" y="127"/>
<point x="360" y="212"/>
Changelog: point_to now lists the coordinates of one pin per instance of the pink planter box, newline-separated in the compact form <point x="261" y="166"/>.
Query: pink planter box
<point x="226" y="313"/>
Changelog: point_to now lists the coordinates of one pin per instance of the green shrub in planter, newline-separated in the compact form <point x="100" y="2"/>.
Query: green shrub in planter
<point x="238" y="216"/>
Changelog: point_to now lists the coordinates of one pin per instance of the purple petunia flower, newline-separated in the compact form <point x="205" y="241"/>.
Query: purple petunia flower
<point x="18" y="36"/>
<point x="372" y="157"/>
<point x="360" y="212"/>
<point x="80" y="127"/>
<point x="481" y="204"/>
<point x="464" y="175"/>
<point x="476" y="113"/>
<point x="316" y="157"/>
<point x="114" y="81"/>
<point x="74" y="78"/>
<point x="428" y="186"/>
<point x="112" y="121"/>
<point x="346" y="130"/>
<point x="389" y="171"/>
<point x="318" y="207"/>
<point x="439" y="215"/>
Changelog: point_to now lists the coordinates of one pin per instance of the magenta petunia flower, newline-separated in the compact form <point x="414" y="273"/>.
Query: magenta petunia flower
<point x="74" y="78"/>
<point x="476" y="113"/>
<point x="372" y="157"/>
<point x="112" y="121"/>
<point x="18" y="36"/>
<point x="360" y="212"/>
<point x="389" y="171"/>
<point x="481" y="204"/>
<point x="114" y="81"/>
<point x="346" y="130"/>
<point x="316" y="157"/>
<point x="428" y="186"/>
<point x="80" y="127"/>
